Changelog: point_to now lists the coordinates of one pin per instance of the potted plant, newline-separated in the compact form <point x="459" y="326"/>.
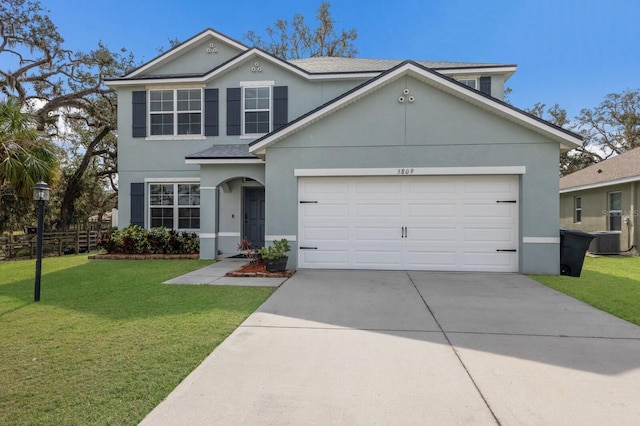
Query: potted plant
<point x="275" y="256"/>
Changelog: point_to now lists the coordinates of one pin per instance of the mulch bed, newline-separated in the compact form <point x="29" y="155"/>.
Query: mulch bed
<point x="258" y="270"/>
<point x="124" y="256"/>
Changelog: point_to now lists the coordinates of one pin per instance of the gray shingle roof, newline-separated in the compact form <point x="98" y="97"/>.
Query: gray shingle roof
<point x="623" y="166"/>
<point x="222" y="152"/>
<point x="335" y="64"/>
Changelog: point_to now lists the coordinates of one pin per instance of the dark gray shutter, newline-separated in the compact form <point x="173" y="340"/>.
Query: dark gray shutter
<point x="280" y="106"/>
<point x="485" y="85"/>
<point x="139" y="111"/>
<point x="234" y="111"/>
<point x="137" y="204"/>
<point x="211" y="112"/>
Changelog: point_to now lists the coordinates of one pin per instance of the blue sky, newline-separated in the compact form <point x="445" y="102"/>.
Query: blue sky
<point x="568" y="51"/>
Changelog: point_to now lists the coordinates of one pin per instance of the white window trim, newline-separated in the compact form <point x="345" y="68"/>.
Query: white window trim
<point x="164" y="181"/>
<point x="476" y="78"/>
<point x="255" y="84"/>
<point x="175" y="135"/>
<point x="613" y="211"/>
<point x="576" y="209"/>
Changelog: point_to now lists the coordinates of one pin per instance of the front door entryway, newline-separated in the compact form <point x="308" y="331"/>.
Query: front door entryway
<point x="253" y="214"/>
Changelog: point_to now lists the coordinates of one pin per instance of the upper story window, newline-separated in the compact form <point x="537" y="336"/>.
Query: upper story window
<point x="471" y="82"/>
<point x="175" y="112"/>
<point x="256" y="110"/>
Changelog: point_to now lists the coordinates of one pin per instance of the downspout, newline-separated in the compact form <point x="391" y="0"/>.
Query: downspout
<point x="631" y="223"/>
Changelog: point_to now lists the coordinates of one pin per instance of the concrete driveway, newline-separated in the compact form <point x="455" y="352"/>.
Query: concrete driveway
<point x="362" y="348"/>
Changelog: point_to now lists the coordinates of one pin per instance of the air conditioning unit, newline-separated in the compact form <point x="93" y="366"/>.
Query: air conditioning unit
<point x="605" y="242"/>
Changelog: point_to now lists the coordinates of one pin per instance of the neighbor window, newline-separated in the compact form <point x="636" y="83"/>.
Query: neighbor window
<point x="257" y="110"/>
<point x="471" y="82"/>
<point x="615" y="211"/>
<point x="175" y="112"/>
<point x="174" y="205"/>
<point x="577" y="204"/>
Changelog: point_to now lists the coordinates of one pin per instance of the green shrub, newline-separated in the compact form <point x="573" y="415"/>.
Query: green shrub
<point x="278" y="250"/>
<point x="137" y="240"/>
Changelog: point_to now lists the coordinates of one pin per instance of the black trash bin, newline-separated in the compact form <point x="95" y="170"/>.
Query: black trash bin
<point x="573" y="247"/>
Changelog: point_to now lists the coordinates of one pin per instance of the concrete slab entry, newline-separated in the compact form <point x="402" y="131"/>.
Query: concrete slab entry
<point x="334" y="376"/>
<point x="554" y="380"/>
<point x="368" y="300"/>
<point x="512" y="304"/>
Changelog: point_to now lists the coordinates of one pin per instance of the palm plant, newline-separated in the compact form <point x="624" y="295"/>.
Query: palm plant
<point x="25" y="157"/>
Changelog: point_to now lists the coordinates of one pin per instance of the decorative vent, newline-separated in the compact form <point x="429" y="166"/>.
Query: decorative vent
<point x="256" y="67"/>
<point x="212" y="48"/>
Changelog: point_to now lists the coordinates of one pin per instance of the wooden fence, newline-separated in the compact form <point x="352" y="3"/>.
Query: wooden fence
<point x="24" y="246"/>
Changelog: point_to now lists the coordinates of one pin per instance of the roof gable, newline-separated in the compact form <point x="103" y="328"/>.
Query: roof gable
<point x="565" y="138"/>
<point x="619" y="169"/>
<point x="207" y="35"/>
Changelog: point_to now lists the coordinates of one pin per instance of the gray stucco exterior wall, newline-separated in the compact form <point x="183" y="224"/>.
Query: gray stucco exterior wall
<point x="437" y="130"/>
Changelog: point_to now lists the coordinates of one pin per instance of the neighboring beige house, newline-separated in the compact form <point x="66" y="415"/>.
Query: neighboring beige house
<point x="604" y="197"/>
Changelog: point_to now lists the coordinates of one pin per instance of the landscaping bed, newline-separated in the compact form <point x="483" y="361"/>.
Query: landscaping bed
<point x="259" y="270"/>
<point x="125" y="256"/>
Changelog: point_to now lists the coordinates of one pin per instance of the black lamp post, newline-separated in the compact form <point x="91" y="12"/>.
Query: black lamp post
<point x="40" y="194"/>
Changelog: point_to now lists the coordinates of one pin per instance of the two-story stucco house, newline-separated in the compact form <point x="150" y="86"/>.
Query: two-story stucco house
<point x="359" y="163"/>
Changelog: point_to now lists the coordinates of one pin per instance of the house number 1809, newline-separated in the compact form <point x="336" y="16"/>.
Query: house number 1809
<point x="405" y="171"/>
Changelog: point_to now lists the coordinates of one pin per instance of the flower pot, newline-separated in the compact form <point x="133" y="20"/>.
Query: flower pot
<point x="276" y="265"/>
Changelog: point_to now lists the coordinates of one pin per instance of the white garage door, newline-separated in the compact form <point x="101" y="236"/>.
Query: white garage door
<point x="436" y="223"/>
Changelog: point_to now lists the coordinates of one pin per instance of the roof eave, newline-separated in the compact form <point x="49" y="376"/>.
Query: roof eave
<point x="596" y="185"/>
<point x="567" y="140"/>
<point x="182" y="46"/>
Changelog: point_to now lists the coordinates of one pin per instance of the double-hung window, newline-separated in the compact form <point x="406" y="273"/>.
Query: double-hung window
<point x="471" y="82"/>
<point x="577" y="206"/>
<point x="175" y="112"/>
<point x="174" y="206"/>
<point x="615" y="211"/>
<point x="256" y="116"/>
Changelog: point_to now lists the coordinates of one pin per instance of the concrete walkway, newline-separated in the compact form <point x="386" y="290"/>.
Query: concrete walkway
<point x="214" y="274"/>
<point x="362" y="348"/>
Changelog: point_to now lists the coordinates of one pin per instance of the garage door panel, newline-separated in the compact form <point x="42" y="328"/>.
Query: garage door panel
<point x="479" y="211"/>
<point x="488" y="261"/>
<point x="325" y="210"/>
<point x="338" y="259"/>
<point x="436" y="186"/>
<point x="374" y="189"/>
<point x="430" y="210"/>
<point x="434" y="260"/>
<point x="380" y="234"/>
<point x="378" y="210"/>
<point x="445" y="223"/>
<point x="485" y="235"/>
<point x="326" y="233"/>
<point x="378" y="259"/>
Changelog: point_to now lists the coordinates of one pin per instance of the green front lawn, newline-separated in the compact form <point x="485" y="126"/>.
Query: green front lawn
<point x="107" y="342"/>
<point x="611" y="284"/>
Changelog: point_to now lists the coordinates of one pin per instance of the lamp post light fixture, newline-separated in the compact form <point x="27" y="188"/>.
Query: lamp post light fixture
<point x="41" y="193"/>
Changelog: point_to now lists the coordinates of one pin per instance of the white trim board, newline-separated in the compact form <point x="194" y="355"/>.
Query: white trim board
<point x="172" y="180"/>
<point x="541" y="240"/>
<point x="279" y="237"/>
<point x="601" y="184"/>
<point x="228" y="234"/>
<point x="223" y="161"/>
<point x="414" y="171"/>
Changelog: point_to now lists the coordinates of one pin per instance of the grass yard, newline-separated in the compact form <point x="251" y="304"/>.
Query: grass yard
<point x="611" y="284"/>
<point x="107" y="341"/>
